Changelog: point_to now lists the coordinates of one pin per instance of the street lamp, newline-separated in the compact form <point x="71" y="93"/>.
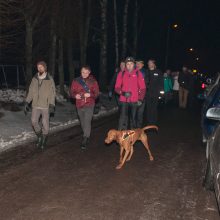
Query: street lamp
<point x="170" y="26"/>
<point x="191" y="49"/>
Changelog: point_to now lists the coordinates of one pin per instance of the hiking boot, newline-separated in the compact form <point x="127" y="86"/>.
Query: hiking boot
<point x="44" y="141"/>
<point x="84" y="144"/>
<point x="39" y="138"/>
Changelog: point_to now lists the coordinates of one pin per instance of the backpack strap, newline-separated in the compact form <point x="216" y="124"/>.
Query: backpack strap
<point x="83" y="84"/>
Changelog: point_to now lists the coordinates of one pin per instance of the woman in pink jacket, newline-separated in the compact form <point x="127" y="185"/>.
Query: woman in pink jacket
<point x="130" y="85"/>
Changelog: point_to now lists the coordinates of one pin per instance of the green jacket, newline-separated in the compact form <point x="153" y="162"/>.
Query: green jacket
<point x="42" y="93"/>
<point x="167" y="84"/>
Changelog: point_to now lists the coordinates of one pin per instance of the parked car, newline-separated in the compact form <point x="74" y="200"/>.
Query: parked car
<point x="212" y="100"/>
<point x="205" y="84"/>
<point x="212" y="172"/>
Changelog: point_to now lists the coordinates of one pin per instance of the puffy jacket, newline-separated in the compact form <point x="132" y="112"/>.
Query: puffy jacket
<point x="42" y="93"/>
<point x="130" y="82"/>
<point x="77" y="88"/>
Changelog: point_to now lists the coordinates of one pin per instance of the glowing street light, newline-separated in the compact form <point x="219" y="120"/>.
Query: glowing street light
<point x="170" y="27"/>
<point x="195" y="70"/>
<point x="197" y="58"/>
<point x="191" y="49"/>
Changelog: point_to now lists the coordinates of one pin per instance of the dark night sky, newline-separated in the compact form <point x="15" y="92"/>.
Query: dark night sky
<point x="199" y="28"/>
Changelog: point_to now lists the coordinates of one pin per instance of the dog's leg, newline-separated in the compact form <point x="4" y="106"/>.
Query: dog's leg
<point x="144" y="140"/>
<point x="123" y="160"/>
<point x="131" y="153"/>
<point x="121" y="154"/>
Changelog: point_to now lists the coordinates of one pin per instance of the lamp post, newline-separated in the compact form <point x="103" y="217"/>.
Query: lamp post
<point x="169" y="28"/>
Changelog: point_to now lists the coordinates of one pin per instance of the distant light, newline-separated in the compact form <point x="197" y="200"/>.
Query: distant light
<point x="203" y="85"/>
<point x="191" y="49"/>
<point x="197" y="58"/>
<point x="175" y="25"/>
<point x="194" y="70"/>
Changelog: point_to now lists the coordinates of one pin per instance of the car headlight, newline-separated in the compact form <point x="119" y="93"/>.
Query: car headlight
<point x="161" y="92"/>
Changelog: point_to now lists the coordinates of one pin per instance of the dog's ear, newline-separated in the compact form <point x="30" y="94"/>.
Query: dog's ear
<point x="117" y="135"/>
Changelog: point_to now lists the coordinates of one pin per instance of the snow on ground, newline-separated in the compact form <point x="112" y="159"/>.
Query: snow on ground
<point x="15" y="127"/>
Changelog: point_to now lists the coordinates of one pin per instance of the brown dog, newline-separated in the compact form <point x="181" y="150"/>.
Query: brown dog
<point x="126" y="140"/>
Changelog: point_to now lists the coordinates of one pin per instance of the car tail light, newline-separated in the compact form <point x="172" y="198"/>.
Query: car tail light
<point x="203" y="85"/>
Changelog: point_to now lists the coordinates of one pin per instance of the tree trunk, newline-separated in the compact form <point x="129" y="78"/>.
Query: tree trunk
<point x="52" y="55"/>
<point x="70" y="59"/>
<point x="135" y="29"/>
<point x="60" y="67"/>
<point x="103" y="52"/>
<point x="28" y="51"/>
<point x="125" y="27"/>
<point x="116" y="35"/>
<point x="84" y="29"/>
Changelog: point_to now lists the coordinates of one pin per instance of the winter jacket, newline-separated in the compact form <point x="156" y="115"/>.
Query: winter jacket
<point x="154" y="81"/>
<point x="77" y="88"/>
<point x="185" y="80"/>
<point x="175" y="83"/>
<point x="42" y="93"/>
<point x="167" y="84"/>
<point x="130" y="82"/>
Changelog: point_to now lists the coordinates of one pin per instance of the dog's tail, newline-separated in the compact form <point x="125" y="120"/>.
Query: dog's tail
<point x="150" y="127"/>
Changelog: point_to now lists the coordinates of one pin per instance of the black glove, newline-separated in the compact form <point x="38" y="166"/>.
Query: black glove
<point x="51" y="109"/>
<point x="139" y="103"/>
<point x="126" y="94"/>
<point x="26" y="108"/>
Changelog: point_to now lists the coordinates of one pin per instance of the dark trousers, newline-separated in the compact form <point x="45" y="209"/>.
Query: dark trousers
<point x="127" y="111"/>
<point x="85" y="116"/>
<point x="152" y="112"/>
<point x="140" y="115"/>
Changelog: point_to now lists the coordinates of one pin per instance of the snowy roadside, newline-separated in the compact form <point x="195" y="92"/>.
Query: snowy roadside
<point x="15" y="127"/>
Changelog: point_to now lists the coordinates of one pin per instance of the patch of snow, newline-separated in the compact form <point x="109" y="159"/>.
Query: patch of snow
<point x="16" y="127"/>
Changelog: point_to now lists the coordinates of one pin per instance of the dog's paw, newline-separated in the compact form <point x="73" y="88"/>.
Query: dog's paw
<point x="151" y="158"/>
<point x="118" y="167"/>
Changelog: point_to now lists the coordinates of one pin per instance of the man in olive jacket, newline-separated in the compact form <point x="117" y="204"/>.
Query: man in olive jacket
<point x="42" y="95"/>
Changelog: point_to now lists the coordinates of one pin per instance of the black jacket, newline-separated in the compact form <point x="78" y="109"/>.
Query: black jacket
<point x="185" y="80"/>
<point x="154" y="83"/>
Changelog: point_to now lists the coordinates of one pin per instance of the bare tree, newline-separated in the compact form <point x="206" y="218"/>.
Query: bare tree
<point x="116" y="34"/>
<point x="85" y="17"/>
<point x="53" y="46"/>
<point x="103" y="52"/>
<point x="135" y="28"/>
<point x="60" y="67"/>
<point x="125" y="27"/>
<point x="32" y="11"/>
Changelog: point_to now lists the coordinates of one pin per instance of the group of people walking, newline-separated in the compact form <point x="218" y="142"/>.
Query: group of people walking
<point x="136" y="89"/>
<point x="179" y="87"/>
<point x="42" y="93"/>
